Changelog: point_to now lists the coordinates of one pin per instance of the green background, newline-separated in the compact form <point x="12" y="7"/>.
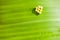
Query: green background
<point x="19" y="22"/>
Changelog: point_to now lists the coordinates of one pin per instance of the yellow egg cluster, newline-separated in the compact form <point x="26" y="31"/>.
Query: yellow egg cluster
<point x="39" y="9"/>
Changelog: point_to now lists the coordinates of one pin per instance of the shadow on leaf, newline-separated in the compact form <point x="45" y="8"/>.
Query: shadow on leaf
<point x="34" y="12"/>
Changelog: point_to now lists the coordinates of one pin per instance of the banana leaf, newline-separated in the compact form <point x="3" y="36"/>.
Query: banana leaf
<point x="18" y="20"/>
